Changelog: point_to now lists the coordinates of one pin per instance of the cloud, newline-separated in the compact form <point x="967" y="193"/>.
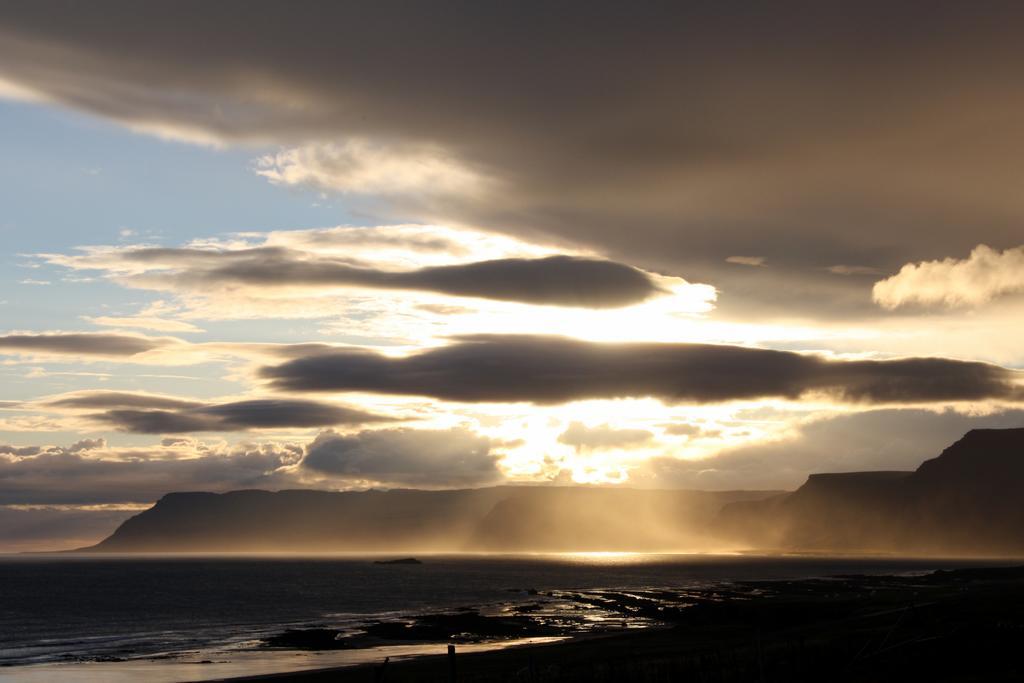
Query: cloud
<point x="29" y="451"/>
<point x="363" y="166"/>
<point x="390" y="283"/>
<point x="601" y="437"/>
<point x="553" y="280"/>
<point x="155" y="414"/>
<point x="119" y="399"/>
<point x="143" y="323"/>
<point x="853" y="270"/>
<point x="56" y="476"/>
<point x="983" y="276"/>
<point x="160" y="422"/>
<point x="87" y="445"/>
<point x="754" y="261"/>
<point x="805" y="149"/>
<point x="406" y="457"/>
<point x="83" y="343"/>
<point x="444" y="309"/>
<point x="158" y="316"/>
<point x="550" y="370"/>
<point x="6" y="449"/>
<point x="287" y="413"/>
<point x="690" y="430"/>
<point x="235" y="416"/>
<point x="413" y="240"/>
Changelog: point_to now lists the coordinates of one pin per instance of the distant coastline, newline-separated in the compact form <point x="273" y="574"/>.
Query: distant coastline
<point x="963" y="503"/>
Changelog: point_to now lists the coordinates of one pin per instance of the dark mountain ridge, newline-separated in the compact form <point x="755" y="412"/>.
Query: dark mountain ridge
<point x="967" y="501"/>
<point x="502" y="518"/>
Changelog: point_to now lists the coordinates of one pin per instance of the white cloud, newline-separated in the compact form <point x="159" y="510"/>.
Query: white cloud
<point x="362" y="166"/>
<point x="397" y="316"/>
<point x="583" y="437"/>
<point x="853" y="270"/>
<point x="985" y="275"/>
<point x="405" y="457"/>
<point x="9" y="90"/>
<point x="143" y="323"/>
<point x="755" y="261"/>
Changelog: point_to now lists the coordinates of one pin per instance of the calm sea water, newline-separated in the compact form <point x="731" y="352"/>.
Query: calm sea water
<point x="77" y="611"/>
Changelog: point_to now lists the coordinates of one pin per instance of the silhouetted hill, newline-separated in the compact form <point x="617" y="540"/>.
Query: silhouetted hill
<point x="504" y="518"/>
<point x="966" y="501"/>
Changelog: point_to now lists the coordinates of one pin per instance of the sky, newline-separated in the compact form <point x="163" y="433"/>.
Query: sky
<point x="320" y="245"/>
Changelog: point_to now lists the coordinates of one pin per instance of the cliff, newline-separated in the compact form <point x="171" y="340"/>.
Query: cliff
<point x="965" y="501"/>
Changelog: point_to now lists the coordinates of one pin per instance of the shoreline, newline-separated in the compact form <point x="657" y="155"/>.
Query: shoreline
<point x="950" y="625"/>
<point x="670" y="627"/>
<point x="201" y="665"/>
<point x="438" y="659"/>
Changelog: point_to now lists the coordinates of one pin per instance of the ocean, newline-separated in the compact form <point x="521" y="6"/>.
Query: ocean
<point x="110" y="618"/>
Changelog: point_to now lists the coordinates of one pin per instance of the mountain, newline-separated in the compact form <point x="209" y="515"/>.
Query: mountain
<point x="503" y="518"/>
<point x="967" y="501"/>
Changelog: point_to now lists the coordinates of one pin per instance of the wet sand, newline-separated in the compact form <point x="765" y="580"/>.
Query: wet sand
<point x="207" y="666"/>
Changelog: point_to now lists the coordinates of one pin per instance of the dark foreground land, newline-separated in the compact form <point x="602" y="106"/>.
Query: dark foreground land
<point x="962" y="625"/>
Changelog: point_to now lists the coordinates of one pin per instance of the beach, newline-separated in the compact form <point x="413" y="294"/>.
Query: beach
<point x="963" y="625"/>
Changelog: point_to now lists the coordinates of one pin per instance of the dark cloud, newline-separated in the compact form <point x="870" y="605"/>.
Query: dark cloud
<point x="890" y="439"/>
<point x="89" y="344"/>
<point x="671" y="136"/>
<point x="77" y="447"/>
<point x="57" y="476"/>
<point x="54" y="475"/>
<point x="542" y="369"/>
<point x="583" y="437"/>
<point x="87" y="445"/>
<point x="406" y="457"/>
<point x="20" y="451"/>
<point x="159" y="421"/>
<point x="120" y="399"/>
<point x="286" y="413"/>
<point x="235" y="416"/>
<point x="554" y="280"/>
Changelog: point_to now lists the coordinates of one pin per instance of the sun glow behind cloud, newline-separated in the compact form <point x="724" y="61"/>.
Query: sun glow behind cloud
<point x="535" y="451"/>
<point x="405" y="317"/>
<point x="526" y="440"/>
